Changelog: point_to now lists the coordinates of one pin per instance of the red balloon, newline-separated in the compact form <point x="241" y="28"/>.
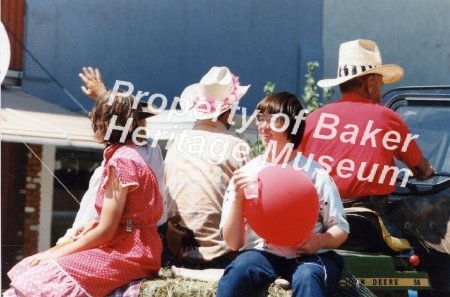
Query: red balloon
<point x="287" y="207"/>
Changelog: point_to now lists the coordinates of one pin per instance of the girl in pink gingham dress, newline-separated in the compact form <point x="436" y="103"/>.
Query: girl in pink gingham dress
<point x="123" y="246"/>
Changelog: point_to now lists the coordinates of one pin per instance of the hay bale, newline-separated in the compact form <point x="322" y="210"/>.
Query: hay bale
<point x="165" y="285"/>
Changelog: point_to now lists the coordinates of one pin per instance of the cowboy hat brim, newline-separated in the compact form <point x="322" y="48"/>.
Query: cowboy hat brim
<point x="191" y="92"/>
<point x="145" y="112"/>
<point x="391" y="74"/>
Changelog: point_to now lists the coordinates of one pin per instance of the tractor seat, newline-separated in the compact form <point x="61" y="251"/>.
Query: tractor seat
<point x="369" y="234"/>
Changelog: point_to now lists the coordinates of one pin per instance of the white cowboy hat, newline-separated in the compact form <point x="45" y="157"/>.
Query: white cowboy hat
<point x="216" y="92"/>
<point x="361" y="57"/>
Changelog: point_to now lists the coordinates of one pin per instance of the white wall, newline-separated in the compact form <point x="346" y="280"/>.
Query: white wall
<point x="45" y="215"/>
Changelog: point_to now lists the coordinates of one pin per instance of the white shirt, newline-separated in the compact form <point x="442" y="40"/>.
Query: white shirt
<point x="331" y="209"/>
<point x="152" y="155"/>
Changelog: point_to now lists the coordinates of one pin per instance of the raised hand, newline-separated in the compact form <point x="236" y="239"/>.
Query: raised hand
<point x="93" y="83"/>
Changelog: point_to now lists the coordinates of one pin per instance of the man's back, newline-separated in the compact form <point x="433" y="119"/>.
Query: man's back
<point x="357" y="141"/>
<point x="198" y="169"/>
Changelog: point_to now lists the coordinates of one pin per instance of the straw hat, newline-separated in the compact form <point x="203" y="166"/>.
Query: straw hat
<point x="360" y="57"/>
<point x="216" y="92"/>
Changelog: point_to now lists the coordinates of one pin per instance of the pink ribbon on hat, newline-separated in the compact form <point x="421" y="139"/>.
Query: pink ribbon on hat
<point x="214" y="104"/>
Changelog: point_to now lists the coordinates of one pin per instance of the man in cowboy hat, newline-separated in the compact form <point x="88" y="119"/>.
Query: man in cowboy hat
<point x="359" y="130"/>
<point x="196" y="177"/>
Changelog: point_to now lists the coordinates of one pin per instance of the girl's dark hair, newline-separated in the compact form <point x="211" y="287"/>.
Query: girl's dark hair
<point x="288" y="104"/>
<point x="102" y="114"/>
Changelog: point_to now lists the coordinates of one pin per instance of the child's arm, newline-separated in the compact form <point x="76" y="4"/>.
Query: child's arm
<point x="113" y="205"/>
<point x="234" y="226"/>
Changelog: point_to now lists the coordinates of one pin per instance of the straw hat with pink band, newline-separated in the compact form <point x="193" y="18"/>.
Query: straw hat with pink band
<point x="360" y="57"/>
<point x="216" y="93"/>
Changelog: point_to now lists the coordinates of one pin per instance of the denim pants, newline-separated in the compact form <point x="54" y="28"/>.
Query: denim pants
<point x="254" y="270"/>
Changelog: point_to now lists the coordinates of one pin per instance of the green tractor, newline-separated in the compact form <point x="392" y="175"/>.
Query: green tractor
<point x="417" y="263"/>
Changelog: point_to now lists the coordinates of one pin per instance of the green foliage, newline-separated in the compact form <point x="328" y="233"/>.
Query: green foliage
<point x="310" y="95"/>
<point x="269" y="88"/>
<point x="257" y="147"/>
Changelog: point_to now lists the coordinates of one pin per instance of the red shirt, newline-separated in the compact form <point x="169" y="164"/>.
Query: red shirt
<point x="357" y="141"/>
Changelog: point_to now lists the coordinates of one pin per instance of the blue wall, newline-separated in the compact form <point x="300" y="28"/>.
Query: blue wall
<point x="163" y="46"/>
<point x="410" y="33"/>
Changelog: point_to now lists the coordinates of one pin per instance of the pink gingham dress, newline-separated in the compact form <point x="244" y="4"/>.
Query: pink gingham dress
<point x="134" y="253"/>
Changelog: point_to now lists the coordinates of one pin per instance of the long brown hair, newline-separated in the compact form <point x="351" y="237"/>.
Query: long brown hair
<point x="122" y="107"/>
